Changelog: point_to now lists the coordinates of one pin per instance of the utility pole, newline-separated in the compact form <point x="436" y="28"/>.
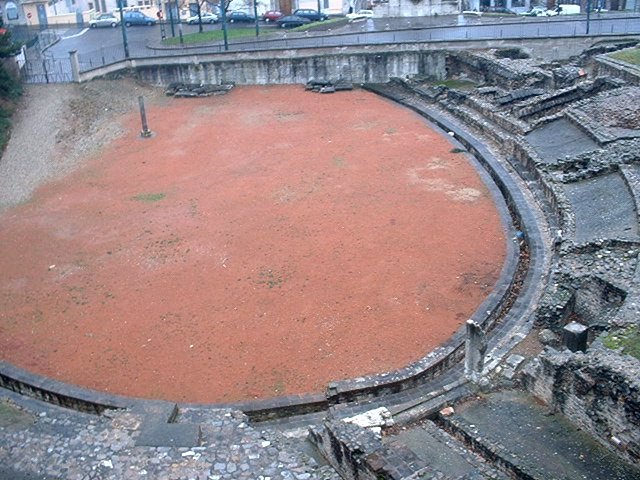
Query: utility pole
<point x="223" y="11"/>
<point x="124" y="30"/>
<point x="199" y="17"/>
<point x="163" y="34"/>
<point x="255" y="14"/>
<point x="170" y="7"/>
<point x="179" y="23"/>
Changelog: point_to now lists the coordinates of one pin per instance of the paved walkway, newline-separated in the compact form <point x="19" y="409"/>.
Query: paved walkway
<point x="39" y="441"/>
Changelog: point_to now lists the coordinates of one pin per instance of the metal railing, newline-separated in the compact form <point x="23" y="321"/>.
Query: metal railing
<point x="517" y="28"/>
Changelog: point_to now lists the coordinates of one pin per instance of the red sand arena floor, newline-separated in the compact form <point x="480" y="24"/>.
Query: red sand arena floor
<point x="262" y="243"/>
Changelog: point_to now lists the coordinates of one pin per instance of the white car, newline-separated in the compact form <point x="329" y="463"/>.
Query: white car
<point x="360" y="14"/>
<point x="564" y="10"/>
<point x="206" y="18"/>
<point x="104" y="20"/>
<point x="535" y="12"/>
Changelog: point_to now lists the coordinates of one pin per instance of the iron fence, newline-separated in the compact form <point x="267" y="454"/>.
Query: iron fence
<point x="47" y="70"/>
<point x="509" y="28"/>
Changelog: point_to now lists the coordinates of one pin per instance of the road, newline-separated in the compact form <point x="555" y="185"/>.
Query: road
<point x="101" y="46"/>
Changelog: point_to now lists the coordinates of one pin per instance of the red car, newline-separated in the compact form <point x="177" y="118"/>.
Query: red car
<point x="272" y="15"/>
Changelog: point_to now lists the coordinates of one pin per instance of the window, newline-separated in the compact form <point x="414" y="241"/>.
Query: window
<point x="12" y="11"/>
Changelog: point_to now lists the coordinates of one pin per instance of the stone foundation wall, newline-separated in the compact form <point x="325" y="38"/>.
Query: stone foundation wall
<point x="596" y="300"/>
<point x="598" y="391"/>
<point x="346" y="447"/>
<point x="375" y="67"/>
<point x="606" y="66"/>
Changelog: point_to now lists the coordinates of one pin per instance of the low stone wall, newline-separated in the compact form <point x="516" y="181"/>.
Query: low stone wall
<point x="607" y="66"/>
<point x="356" y="67"/>
<point x="596" y="300"/>
<point x="347" y="447"/>
<point x="358" y="453"/>
<point x="598" y="391"/>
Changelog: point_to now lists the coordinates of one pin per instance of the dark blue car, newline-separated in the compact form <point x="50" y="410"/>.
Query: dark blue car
<point x="292" y="21"/>
<point x="138" y="18"/>
<point x="237" y="17"/>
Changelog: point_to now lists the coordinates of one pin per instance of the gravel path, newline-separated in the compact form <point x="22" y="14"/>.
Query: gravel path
<point x="56" y="126"/>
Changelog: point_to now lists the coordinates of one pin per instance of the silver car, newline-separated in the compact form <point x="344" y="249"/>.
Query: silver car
<point x="104" y="20"/>
<point x="206" y="18"/>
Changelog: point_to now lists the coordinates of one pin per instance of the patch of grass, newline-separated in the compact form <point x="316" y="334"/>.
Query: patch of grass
<point x="10" y="91"/>
<point x="210" y="36"/>
<point x="626" y="340"/>
<point x="332" y="22"/>
<point x="270" y="278"/>
<point x="631" y="56"/>
<point x="339" y="162"/>
<point x="234" y="33"/>
<point x="149" y="197"/>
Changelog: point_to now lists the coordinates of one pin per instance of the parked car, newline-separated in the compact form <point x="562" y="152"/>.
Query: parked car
<point x="292" y="21"/>
<point x="205" y="16"/>
<point x="311" y="14"/>
<point x="535" y="12"/>
<point x="238" y="17"/>
<point x="137" y="18"/>
<point x="564" y="10"/>
<point x="500" y="10"/>
<point x="272" y="15"/>
<point x="360" y="14"/>
<point x="104" y="20"/>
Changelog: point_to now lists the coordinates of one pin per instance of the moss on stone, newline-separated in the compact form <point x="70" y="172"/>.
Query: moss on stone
<point x="626" y="340"/>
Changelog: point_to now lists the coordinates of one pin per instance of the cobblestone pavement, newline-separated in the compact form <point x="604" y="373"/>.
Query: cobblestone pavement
<point x="38" y="441"/>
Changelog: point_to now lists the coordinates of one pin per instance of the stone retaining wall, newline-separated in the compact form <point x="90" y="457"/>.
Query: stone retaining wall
<point x="598" y="391"/>
<point x="607" y="66"/>
<point x="356" y="67"/>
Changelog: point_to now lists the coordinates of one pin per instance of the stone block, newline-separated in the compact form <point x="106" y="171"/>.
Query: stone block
<point x="574" y="336"/>
<point x="156" y="434"/>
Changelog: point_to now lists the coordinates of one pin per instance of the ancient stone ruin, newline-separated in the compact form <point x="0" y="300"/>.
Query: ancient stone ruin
<point x="569" y="131"/>
<point x="544" y="382"/>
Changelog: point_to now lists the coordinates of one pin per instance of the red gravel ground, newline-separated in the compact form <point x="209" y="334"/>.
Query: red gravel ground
<point x="262" y="243"/>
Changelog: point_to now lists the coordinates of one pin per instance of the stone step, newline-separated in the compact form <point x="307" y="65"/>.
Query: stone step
<point x="496" y="115"/>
